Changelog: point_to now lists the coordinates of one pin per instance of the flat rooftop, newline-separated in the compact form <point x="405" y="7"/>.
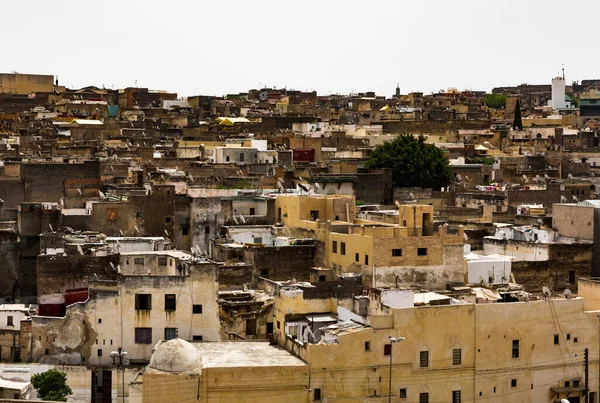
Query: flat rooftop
<point x="245" y="354"/>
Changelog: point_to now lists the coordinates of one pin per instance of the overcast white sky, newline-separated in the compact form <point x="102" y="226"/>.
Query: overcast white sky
<point x="332" y="46"/>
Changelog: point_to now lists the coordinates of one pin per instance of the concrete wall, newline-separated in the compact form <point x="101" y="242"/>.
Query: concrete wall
<point x="15" y="83"/>
<point x="573" y="221"/>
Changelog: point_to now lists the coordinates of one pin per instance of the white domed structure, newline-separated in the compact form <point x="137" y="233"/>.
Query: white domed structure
<point x="175" y="356"/>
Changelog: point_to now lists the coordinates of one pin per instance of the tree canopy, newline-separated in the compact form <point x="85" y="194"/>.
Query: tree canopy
<point x="496" y="101"/>
<point x="414" y="163"/>
<point x="51" y="385"/>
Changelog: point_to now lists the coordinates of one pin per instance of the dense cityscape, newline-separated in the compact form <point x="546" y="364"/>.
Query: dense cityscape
<point x="283" y="245"/>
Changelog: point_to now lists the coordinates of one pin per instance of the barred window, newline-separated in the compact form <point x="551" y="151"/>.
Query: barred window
<point x="143" y="335"/>
<point x="456" y="356"/>
<point x="424" y="359"/>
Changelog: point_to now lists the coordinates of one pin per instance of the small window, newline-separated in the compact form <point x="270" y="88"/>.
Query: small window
<point x="264" y="272"/>
<point x="456" y="356"/>
<point x="333" y="246"/>
<point x="9" y="321"/>
<point x="207" y="229"/>
<point x="314" y="215"/>
<point x="397" y="252"/>
<point x="568" y="384"/>
<point x="366" y="260"/>
<point x="403" y="393"/>
<point x="556" y="339"/>
<point x="167" y="219"/>
<point x="357" y="257"/>
<point x="424" y="397"/>
<point x="574" y="339"/>
<point x="170" y="333"/>
<point x="99" y="352"/>
<point x="513" y="383"/>
<point x="99" y="320"/>
<point x="185" y="230"/>
<point x="162" y="260"/>
<point x="196" y="338"/>
<point x="242" y="157"/>
<point x="46" y="352"/>
<point x="343" y="249"/>
<point x="387" y="349"/>
<point x="139" y="214"/>
<point x="170" y="302"/>
<point x="143" y="302"/>
<point x="143" y="335"/>
<point x="571" y="276"/>
<point x="576" y="383"/>
<point x="278" y="325"/>
<point x="138" y="260"/>
<point x="424" y="359"/>
<point x="367" y="346"/>
<point x="252" y="211"/>
<point x="456" y="396"/>
<point x="568" y="336"/>
<point x="317" y="394"/>
<point x="197" y="308"/>
<point x="515" y="349"/>
<point x="322" y="278"/>
<point x="421" y="251"/>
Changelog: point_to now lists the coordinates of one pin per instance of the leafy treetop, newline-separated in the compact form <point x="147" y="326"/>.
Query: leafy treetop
<point x="51" y="385"/>
<point x="414" y="163"/>
<point x="495" y="101"/>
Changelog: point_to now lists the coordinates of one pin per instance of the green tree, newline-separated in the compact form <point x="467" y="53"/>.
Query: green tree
<point x="496" y="101"/>
<point x="414" y="163"/>
<point x="517" y="122"/>
<point x="51" y="385"/>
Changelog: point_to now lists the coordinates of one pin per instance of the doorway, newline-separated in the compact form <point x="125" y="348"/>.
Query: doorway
<point x="101" y="386"/>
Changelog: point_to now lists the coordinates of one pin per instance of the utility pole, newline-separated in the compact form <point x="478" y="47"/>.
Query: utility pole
<point x="598" y="392"/>
<point x="586" y="363"/>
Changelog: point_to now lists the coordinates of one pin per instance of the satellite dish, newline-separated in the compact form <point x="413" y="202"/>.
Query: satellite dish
<point x="563" y="199"/>
<point x="570" y="176"/>
<point x="547" y="292"/>
<point x="79" y="250"/>
<point x="568" y="294"/>
<point x="51" y="229"/>
<point x="112" y="266"/>
<point x="483" y="281"/>
<point x="242" y="219"/>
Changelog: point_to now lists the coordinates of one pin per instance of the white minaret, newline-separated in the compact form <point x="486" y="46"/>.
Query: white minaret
<point x="558" y="92"/>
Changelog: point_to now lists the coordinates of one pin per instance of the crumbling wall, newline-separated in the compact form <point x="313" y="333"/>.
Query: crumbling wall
<point x="281" y="262"/>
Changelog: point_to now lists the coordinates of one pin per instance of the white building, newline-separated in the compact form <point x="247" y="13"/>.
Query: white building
<point x="560" y="100"/>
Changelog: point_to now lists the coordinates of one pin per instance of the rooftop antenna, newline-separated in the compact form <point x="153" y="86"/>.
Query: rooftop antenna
<point x="563" y="70"/>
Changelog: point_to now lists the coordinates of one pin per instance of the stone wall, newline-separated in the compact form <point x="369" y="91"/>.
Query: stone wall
<point x="281" y="262"/>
